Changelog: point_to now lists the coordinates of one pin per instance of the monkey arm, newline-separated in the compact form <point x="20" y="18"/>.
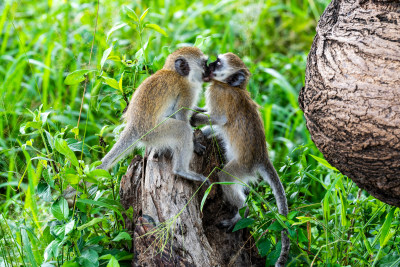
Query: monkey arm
<point x="201" y="119"/>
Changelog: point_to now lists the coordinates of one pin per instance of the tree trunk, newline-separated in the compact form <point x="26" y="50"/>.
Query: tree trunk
<point x="351" y="99"/>
<point x="193" y="239"/>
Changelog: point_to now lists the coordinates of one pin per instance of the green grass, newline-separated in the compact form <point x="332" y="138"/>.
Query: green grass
<point x="331" y="222"/>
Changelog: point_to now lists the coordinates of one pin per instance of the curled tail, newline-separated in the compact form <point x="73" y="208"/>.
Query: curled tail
<point x="270" y="175"/>
<point x="122" y="147"/>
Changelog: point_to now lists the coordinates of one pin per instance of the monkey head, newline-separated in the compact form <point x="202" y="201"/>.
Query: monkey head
<point x="189" y="62"/>
<point x="230" y="69"/>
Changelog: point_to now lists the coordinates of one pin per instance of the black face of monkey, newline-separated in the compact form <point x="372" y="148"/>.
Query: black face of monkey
<point x="207" y="72"/>
<point x="229" y="71"/>
<point x="215" y="65"/>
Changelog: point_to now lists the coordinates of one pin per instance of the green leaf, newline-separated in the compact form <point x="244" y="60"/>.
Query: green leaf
<point x="72" y="178"/>
<point x="34" y="124"/>
<point x="75" y="131"/>
<point x="70" y="264"/>
<point x="76" y="77"/>
<point x="324" y="162"/>
<point x="203" y="200"/>
<point x="263" y="246"/>
<point x="111" y="82"/>
<point x="44" y="191"/>
<point x="105" y="55"/>
<point x="62" y="146"/>
<point x="386" y="226"/>
<point x="143" y="15"/>
<point x="95" y="240"/>
<point x="201" y="41"/>
<point x="94" y="94"/>
<point x="274" y="255"/>
<point x="122" y="236"/>
<point x="114" y="28"/>
<point x="390" y="260"/>
<point x="91" y="223"/>
<point x="69" y="227"/>
<point x="28" y="248"/>
<point x="89" y="258"/>
<point x="156" y="28"/>
<point x="120" y="82"/>
<point x="95" y="164"/>
<point x="276" y="226"/>
<point x="302" y="220"/>
<point x="131" y="13"/>
<point x="302" y="237"/>
<point x="51" y="250"/>
<point x="243" y="223"/>
<point x="101" y="204"/>
<point x="59" y="209"/>
<point x="99" y="173"/>
<point x="367" y="244"/>
<point x="113" y="262"/>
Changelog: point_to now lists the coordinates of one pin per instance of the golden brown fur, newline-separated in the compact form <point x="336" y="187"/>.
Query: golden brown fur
<point x="244" y="125"/>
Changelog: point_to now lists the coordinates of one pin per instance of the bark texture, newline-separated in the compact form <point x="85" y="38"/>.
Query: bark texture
<point x="157" y="196"/>
<point x="351" y="98"/>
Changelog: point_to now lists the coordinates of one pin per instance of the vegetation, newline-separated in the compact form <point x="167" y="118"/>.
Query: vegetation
<point x="67" y="70"/>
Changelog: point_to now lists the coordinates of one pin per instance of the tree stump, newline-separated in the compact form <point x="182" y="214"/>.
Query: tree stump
<point x="157" y="196"/>
<point x="351" y="98"/>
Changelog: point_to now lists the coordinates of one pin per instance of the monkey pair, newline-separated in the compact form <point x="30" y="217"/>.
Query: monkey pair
<point x="233" y="115"/>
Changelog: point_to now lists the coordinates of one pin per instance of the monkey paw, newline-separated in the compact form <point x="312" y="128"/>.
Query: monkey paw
<point x="199" y="149"/>
<point x="193" y="120"/>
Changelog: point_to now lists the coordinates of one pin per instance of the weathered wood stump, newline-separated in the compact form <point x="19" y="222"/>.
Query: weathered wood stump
<point x="351" y="99"/>
<point x="156" y="194"/>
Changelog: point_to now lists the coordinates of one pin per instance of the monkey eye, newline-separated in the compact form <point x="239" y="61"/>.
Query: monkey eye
<point x="218" y="62"/>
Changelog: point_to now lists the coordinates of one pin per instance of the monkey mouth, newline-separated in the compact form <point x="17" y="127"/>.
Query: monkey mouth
<point x="208" y="76"/>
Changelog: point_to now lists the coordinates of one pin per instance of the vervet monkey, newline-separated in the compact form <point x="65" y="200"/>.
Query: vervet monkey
<point x="235" y="119"/>
<point x="177" y="85"/>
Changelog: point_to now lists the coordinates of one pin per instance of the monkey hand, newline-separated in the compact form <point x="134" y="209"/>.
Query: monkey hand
<point x="193" y="120"/>
<point x="199" y="149"/>
<point x="228" y="225"/>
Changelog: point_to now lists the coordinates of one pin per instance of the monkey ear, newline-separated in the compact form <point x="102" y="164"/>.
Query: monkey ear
<point x="182" y="67"/>
<point x="236" y="79"/>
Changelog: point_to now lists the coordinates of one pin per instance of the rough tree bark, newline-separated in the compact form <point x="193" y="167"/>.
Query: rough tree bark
<point x="351" y="99"/>
<point x="156" y="194"/>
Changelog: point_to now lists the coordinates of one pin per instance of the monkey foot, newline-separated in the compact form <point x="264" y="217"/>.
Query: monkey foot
<point x="192" y="176"/>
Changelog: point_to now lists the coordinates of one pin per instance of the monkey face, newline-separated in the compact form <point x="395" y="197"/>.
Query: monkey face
<point x="230" y="69"/>
<point x="207" y="72"/>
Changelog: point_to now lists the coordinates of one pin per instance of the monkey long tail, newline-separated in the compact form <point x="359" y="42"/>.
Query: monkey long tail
<point x="122" y="147"/>
<point x="270" y="175"/>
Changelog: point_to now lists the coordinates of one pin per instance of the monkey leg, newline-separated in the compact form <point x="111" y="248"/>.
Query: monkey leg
<point x="177" y="135"/>
<point x="234" y="193"/>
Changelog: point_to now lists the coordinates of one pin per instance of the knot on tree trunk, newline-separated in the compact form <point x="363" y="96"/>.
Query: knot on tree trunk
<point x="167" y="225"/>
<point x="351" y="98"/>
